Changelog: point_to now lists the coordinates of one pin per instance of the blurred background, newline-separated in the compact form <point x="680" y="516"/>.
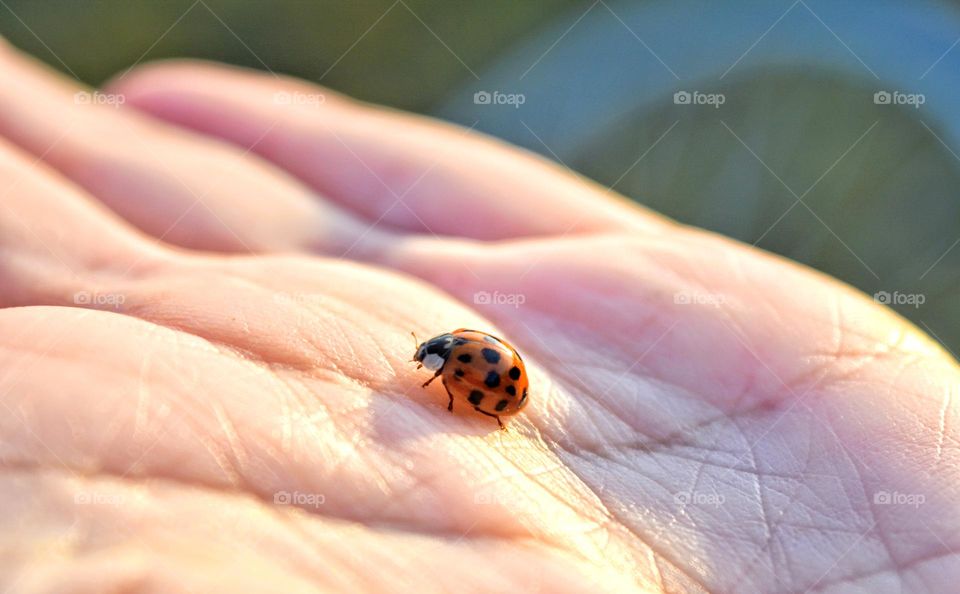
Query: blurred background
<point x="826" y="132"/>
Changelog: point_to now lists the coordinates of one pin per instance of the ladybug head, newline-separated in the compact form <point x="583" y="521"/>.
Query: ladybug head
<point x="433" y="353"/>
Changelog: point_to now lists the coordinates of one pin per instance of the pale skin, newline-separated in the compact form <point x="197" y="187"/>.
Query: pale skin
<point x="202" y="319"/>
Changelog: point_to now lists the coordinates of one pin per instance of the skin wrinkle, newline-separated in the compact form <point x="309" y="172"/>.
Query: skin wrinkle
<point x="747" y="569"/>
<point x="199" y="430"/>
<point x="599" y="522"/>
<point x="587" y="411"/>
<point x="942" y="424"/>
<point x="837" y="326"/>
<point x="192" y="422"/>
<point x="287" y="418"/>
<point x="771" y="528"/>
<point x="584" y="390"/>
<point x="852" y="462"/>
<point x="797" y="381"/>
<point x="662" y="554"/>
<point x="656" y="444"/>
<point x="601" y="453"/>
<point x="864" y="360"/>
<point x="144" y="395"/>
<point x="640" y="537"/>
<point x="306" y="400"/>
<point x="186" y="411"/>
<point x="894" y="571"/>
<point x="249" y="354"/>
<point x="238" y="459"/>
<point x="652" y="445"/>
<point x="810" y="510"/>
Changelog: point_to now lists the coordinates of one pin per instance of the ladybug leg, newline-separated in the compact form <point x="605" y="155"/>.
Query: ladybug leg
<point x="427" y="383"/>
<point x="449" y="393"/>
<point x="499" y="422"/>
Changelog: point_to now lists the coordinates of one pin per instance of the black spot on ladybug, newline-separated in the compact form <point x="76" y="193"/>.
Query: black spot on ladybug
<point x="475" y="397"/>
<point x="491" y="356"/>
<point x="502" y="405"/>
<point x="458" y="372"/>
<point x="511" y="390"/>
<point x="493" y="379"/>
<point x="514" y="373"/>
<point x="465" y="358"/>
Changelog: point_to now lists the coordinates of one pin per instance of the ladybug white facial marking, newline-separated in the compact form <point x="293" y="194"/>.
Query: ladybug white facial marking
<point x="433" y="362"/>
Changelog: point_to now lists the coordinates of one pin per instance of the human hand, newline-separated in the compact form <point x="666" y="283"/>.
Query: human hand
<point x="703" y="415"/>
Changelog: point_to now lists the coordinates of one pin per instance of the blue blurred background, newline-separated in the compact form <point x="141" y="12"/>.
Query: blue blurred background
<point x="827" y="132"/>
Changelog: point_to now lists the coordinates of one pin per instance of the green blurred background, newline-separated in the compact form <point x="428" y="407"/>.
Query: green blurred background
<point x="883" y="211"/>
<point x="398" y="61"/>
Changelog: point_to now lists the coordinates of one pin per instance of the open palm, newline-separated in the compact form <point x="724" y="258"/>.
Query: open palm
<point x="205" y="380"/>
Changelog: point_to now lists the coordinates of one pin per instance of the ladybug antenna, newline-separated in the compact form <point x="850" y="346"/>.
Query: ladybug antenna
<point x="416" y="345"/>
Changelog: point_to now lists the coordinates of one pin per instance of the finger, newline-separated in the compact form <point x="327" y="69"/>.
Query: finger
<point x="183" y="188"/>
<point x="55" y="241"/>
<point x="407" y="171"/>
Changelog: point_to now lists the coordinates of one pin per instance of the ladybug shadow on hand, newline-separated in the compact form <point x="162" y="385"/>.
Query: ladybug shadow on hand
<point x="418" y="410"/>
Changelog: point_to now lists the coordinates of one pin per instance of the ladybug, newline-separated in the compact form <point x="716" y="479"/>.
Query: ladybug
<point x="479" y="368"/>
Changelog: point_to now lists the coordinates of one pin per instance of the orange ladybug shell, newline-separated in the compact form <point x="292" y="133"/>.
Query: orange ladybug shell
<point x="486" y="372"/>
